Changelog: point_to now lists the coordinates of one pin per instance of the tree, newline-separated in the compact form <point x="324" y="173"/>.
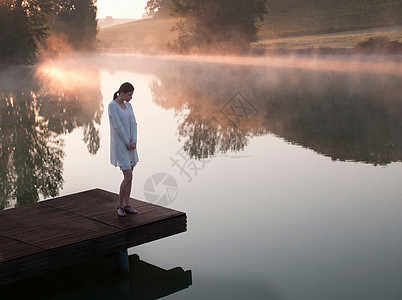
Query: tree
<point x="159" y="8"/>
<point x="75" y="20"/>
<point x="23" y="24"/>
<point x="217" y="25"/>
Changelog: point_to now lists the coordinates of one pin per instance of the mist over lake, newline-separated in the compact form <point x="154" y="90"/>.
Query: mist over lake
<point x="289" y="171"/>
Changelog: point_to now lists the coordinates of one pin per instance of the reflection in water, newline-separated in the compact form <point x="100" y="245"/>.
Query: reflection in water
<point x="346" y="116"/>
<point x="97" y="279"/>
<point x="30" y="154"/>
<point x="73" y="100"/>
<point x="34" y="111"/>
<point x="203" y="137"/>
<point x="214" y="118"/>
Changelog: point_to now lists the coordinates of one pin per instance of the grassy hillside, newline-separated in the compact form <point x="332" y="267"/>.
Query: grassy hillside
<point x="142" y="36"/>
<point x="340" y="40"/>
<point x="297" y="17"/>
<point x="285" y="18"/>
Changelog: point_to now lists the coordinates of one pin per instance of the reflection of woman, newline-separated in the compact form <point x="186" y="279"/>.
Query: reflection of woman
<point x="123" y="142"/>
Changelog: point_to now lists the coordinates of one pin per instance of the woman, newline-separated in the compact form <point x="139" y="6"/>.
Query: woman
<point x="123" y="143"/>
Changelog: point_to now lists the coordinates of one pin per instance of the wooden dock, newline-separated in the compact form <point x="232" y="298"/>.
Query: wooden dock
<point x="66" y="230"/>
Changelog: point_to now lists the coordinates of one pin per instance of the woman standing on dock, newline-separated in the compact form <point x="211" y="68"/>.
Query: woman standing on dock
<point x="123" y="142"/>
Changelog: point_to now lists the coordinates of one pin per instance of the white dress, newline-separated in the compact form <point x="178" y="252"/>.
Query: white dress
<point x="123" y="130"/>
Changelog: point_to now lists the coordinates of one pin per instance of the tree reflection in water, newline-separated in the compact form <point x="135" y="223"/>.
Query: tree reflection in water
<point x="34" y="112"/>
<point x="204" y="137"/>
<point x="347" y="116"/>
<point x="199" y="99"/>
<point x="72" y="99"/>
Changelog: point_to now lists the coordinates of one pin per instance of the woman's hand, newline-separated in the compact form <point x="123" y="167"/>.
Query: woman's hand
<point x="131" y="145"/>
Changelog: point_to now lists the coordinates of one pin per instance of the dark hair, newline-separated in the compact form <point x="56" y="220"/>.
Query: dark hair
<point x="125" y="88"/>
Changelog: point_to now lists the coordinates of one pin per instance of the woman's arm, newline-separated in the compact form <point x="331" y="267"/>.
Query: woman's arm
<point x="116" y="123"/>
<point x="134" y="124"/>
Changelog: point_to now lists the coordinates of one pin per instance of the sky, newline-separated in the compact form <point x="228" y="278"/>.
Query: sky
<point x="131" y="9"/>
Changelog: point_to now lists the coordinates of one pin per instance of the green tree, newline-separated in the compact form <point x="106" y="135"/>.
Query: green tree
<point x="76" y="21"/>
<point x="23" y="24"/>
<point x="217" y="25"/>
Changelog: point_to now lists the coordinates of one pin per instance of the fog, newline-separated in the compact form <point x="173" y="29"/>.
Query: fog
<point x="351" y="103"/>
<point x="306" y="151"/>
<point x="345" y="108"/>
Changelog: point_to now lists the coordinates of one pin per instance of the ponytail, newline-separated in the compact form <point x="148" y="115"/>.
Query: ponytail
<point x="125" y="88"/>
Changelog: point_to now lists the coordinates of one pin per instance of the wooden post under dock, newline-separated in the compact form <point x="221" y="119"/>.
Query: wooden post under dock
<point x="66" y="230"/>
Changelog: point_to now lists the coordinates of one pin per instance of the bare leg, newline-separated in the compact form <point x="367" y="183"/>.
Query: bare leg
<point x="125" y="187"/>
<point x="128" y="190"/>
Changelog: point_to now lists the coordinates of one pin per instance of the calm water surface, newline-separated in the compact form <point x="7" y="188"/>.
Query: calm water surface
<point x="290" y="177"/>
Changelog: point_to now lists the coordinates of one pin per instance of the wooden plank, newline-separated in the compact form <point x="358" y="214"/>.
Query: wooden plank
<point x="46" y="227"/>
<point x="157" y="230"/>
<point x="11" y="249"/>
<point x="80" y="252"/>
<point x="70" y="229"/>
<point x="92" y="199"/>
<point x="103" y="210"/>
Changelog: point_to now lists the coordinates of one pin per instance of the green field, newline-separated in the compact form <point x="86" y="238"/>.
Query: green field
<point x="300" y="17"/>
<point x="289" y="24"/>
<point x="339" y="40"/>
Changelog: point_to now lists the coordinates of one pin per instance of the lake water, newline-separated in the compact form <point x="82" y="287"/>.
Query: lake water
<point x="289" y="169"/>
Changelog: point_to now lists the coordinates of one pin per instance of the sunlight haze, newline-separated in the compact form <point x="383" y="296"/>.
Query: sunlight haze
<point x="121" y="8"/>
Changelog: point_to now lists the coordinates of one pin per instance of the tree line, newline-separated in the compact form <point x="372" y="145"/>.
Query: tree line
<point x="26" y="25"/>
<point x="212" y="25"/>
